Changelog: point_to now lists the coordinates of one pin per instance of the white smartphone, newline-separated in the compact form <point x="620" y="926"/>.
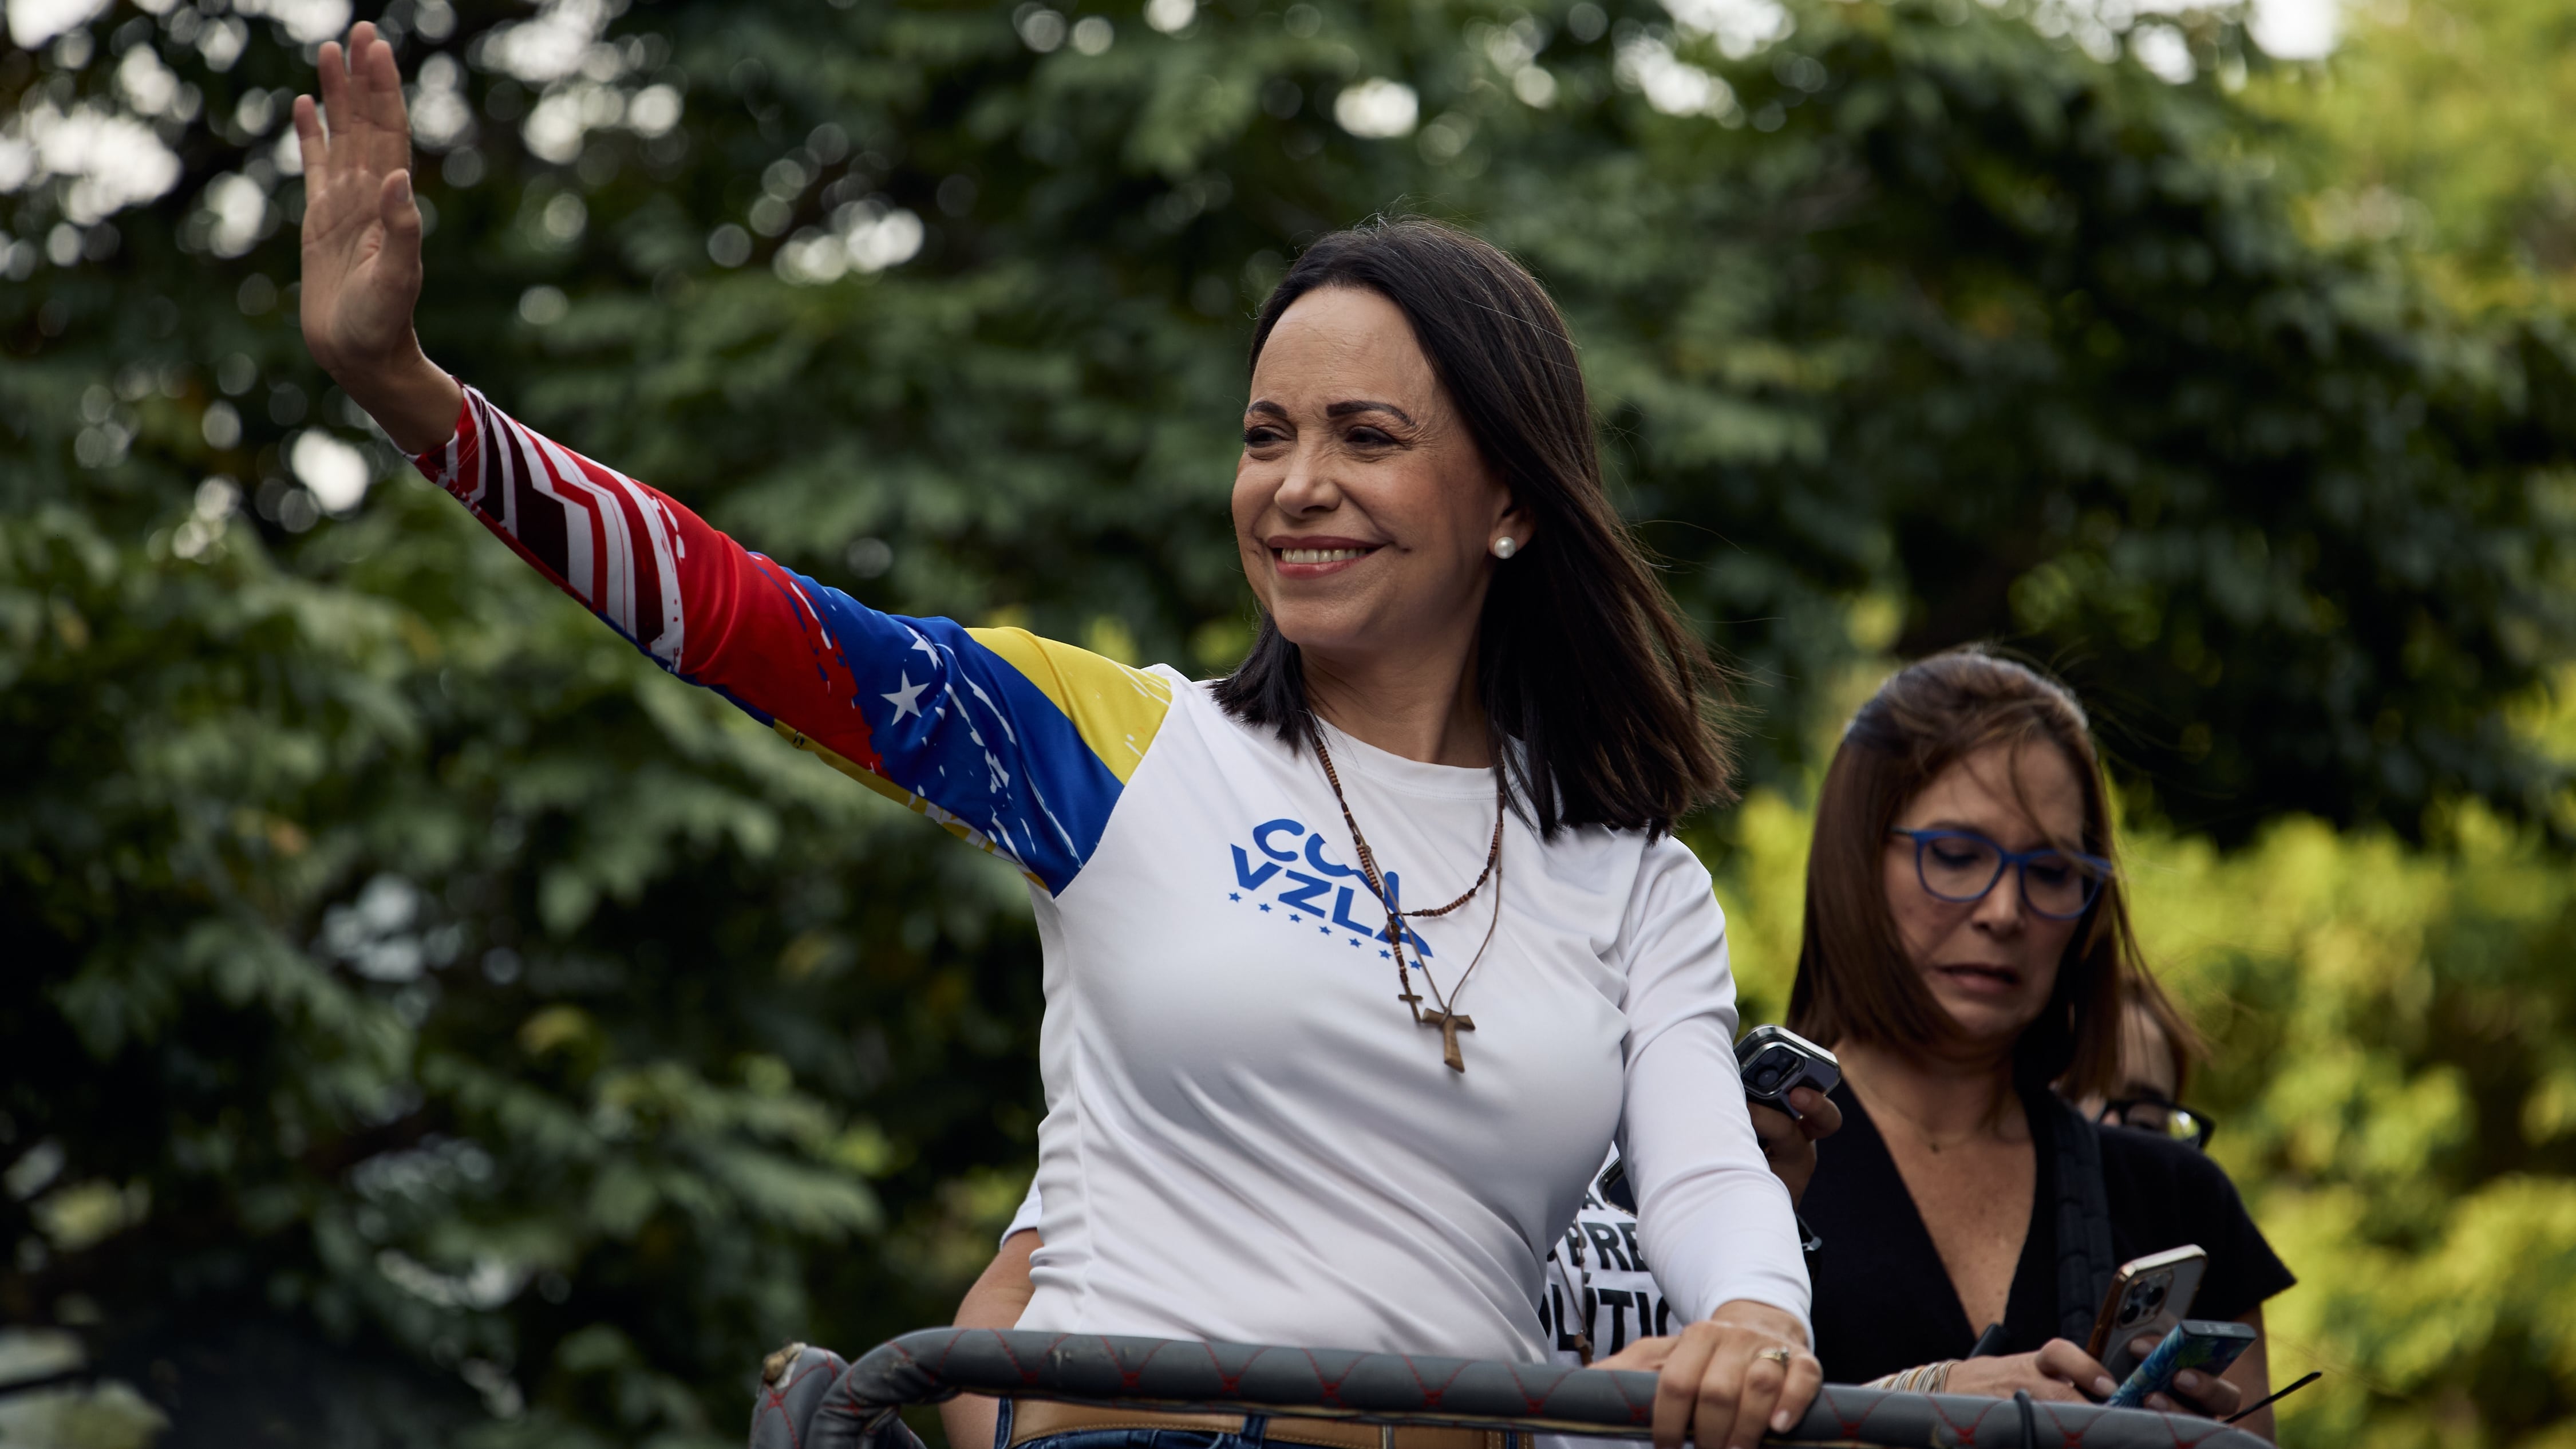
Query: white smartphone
<point x="2148" y="1297"/>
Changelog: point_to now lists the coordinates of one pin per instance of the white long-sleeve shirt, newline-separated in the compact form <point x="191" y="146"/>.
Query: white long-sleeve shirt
<point x="1597" y="1296"/>
<point x="1248" y="1136"/>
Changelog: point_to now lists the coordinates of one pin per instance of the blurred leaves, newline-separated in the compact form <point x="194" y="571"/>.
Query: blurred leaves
<point x="423" y="1002"/>
<point x="2439" y="130"/>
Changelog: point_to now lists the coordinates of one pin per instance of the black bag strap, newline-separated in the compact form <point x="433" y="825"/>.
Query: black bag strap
<point x="2085" y="1258"/>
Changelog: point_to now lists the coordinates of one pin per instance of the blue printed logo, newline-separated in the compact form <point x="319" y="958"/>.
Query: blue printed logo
<point x="1286" y="870"/>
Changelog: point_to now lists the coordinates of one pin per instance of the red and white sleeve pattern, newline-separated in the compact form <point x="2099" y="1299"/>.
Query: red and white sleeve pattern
<point x="614" y="544"/>
<point x="700" y="604"/>
<point x="974" y="741"/>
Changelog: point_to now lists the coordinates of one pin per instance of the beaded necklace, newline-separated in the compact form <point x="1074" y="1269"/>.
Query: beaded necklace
<point x="1446" y="1018"/>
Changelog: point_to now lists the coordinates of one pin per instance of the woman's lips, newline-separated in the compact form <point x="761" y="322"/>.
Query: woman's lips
<point x="1313" y="558"/>
<point x="1983" y="980"/>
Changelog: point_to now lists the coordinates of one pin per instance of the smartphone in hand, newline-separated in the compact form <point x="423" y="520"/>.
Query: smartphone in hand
<point x="2206" y="1344"/>
<point x="1775" y="1061"/>
<point x="2148" y="1297"/>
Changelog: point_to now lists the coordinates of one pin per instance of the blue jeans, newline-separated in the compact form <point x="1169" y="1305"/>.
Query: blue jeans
<point x="1250" y="1438"/>
<point x="1130" y="1438"/>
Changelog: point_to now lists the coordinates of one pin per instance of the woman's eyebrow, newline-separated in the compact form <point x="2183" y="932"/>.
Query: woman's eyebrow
<point x="1267" y="409"/>
<point x="2042" y="841"/>
<point x="1366" y="405"/>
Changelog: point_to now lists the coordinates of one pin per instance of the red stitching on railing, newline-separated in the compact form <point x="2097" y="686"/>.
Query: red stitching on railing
<point x="1833" y="1405"/>
<point x="1342" y="1380"/>
<point x="1431" y="1396"/>
<point x="1414" y="1369"/>
<point x="1327" y="1392"/>
<point x="1022" y="1369"/>
<point x="2067" y="1438"/>
<point x="1966" y="1436"/>
<point x="1533" y="1403"/>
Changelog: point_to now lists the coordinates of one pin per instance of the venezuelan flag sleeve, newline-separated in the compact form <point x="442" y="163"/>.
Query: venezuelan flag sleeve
<point x="1019" y="744"/>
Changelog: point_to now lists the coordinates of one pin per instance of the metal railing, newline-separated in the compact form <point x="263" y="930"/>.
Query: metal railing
<point x="811" y="1398"/>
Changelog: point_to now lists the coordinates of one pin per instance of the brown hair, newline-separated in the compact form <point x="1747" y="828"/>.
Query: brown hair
<point x="2183" y="1041"/>
<point x="1854" y="977"/>
<point x="1611" y="704"/>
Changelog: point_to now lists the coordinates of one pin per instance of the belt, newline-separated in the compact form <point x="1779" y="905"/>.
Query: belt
<point x="1036" y="1418"/>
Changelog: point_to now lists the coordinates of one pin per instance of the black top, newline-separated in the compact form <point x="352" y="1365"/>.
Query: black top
<point x="1883" y="1302"/>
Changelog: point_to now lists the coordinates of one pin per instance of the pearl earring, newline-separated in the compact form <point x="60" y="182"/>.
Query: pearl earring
<point x="1504" y="547"/>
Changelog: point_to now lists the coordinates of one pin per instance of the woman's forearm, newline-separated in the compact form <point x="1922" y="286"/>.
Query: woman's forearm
<point x="410" y="397"/>
<point x="1003" y="1290"/>
<point x="999" y="1296"/>
<point x="1767" y="1317"/>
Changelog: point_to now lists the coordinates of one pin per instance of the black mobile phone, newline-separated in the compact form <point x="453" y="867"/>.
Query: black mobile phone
<point x="1775" y="1061"/>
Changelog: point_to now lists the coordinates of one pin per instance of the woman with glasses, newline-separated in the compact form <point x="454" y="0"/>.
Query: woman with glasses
<point x="1967" y="946"/>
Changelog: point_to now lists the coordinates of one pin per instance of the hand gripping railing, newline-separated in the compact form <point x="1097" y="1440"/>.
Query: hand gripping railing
<point x="811" y="1398"/>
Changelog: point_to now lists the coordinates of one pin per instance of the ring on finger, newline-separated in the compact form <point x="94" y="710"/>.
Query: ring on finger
<point x="1779" y="1356"/>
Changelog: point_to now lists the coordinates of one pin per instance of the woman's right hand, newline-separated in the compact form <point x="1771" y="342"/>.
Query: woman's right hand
<point x="2059" y="1370"/>
<point x="1723" y="1380"/>
<point x="1789" y="1143"/>
<point x="362" y="231"/>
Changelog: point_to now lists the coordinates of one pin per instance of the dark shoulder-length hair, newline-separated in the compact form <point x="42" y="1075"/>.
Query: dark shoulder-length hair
<point x="1854" y="977"/>
<point x="1611" y="708"/>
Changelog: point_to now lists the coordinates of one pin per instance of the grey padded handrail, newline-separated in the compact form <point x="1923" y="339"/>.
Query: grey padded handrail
<point x="813" y="1400"/>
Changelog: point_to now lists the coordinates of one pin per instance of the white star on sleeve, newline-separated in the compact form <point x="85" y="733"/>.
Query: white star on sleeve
<point x="906" y="700"/>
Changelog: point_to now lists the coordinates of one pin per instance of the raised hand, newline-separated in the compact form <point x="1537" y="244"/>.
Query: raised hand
<point x="362" y="273"/>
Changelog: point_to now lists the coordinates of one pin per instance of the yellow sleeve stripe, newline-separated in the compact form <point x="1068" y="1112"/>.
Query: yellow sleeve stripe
<point x="1114" y="708"/>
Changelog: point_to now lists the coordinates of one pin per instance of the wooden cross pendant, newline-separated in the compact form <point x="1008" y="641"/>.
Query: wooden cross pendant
<point x="1411" y="999"/>
<point x="1450" y="1024"/>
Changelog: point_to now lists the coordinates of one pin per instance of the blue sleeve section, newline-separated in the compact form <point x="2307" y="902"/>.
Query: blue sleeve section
<point x="952" y="722"/>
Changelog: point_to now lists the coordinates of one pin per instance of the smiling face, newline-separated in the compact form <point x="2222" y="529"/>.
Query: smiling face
<point x="1990" y="963"/>
<point x="1364" y="512"/>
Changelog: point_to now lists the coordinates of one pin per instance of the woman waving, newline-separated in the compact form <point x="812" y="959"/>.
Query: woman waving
<point x="1355" y="961"/>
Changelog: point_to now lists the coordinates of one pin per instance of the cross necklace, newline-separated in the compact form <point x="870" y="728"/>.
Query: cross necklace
<point x="1445" y="1017"/>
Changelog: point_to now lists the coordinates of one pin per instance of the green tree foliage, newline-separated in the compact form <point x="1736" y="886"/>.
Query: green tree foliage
<point x="2058" y="349"/>
<point x="386" y="974"/>
<point x="428" y="1021"/>
<point x="2441" y="129"/>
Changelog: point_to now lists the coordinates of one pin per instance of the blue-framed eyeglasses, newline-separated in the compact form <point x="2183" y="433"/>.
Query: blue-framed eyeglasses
<point x="1961" y="866"/>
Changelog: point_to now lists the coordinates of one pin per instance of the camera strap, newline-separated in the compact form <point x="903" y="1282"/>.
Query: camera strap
<point x="2085" y="1258"/>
